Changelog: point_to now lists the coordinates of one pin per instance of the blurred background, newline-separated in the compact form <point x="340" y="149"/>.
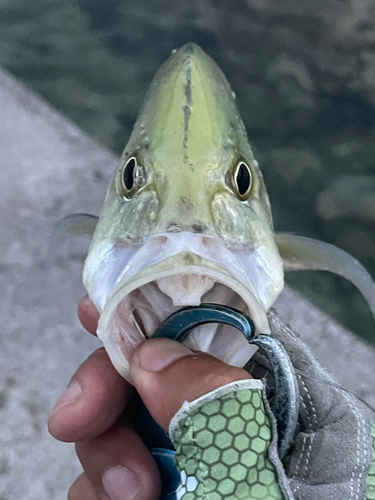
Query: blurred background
<point x="304" y="75"/>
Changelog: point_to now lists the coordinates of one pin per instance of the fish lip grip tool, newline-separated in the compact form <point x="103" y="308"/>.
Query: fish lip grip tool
<point x="285" y="398"/>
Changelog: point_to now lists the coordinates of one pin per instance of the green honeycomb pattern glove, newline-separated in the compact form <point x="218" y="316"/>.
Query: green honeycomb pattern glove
<point x="224" y="442"/>
<point x="371" y="474"/>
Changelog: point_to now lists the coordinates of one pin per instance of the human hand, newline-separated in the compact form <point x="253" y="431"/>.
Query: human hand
<point x="118" y="465"/>
<point x="94" y="411"/>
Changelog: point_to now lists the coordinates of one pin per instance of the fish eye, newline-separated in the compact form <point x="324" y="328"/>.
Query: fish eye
<point x="242" y="180"/>
<point x="133" y="177"/>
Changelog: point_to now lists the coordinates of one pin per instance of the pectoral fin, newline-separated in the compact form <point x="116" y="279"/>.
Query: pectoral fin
<point x="68" y="227"/>
<point x="300" y="253"/>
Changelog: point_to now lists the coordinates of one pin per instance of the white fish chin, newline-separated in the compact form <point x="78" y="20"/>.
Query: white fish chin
<point x="173" y="271"/>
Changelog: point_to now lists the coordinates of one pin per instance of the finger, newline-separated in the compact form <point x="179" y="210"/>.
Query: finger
<point x="166" y="373"/>
<point x="82" y="489"/>
<point x="88" y="315"/>
<point x="119" y="466"/>
<point x="92" y="402"/>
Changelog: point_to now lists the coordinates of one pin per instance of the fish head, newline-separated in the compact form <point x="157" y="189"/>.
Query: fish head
<point x="186" y="218"/>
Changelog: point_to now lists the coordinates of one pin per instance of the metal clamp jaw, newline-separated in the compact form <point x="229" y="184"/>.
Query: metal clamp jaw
<point x="285" y="397"/>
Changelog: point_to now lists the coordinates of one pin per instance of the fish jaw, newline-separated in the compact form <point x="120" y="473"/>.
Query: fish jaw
<point x="143" y="285"/>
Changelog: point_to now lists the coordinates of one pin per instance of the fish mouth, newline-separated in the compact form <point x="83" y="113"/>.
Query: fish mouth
<point x="161" y="277"/>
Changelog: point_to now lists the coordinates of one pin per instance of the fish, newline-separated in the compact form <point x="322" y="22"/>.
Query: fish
<point x="187" y="220"/>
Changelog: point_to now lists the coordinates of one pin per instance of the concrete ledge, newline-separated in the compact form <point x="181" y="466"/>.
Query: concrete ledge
<point x="49" y="169"/>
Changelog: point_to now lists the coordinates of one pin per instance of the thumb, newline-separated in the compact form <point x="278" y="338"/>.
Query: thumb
<point x="167" y="373"/>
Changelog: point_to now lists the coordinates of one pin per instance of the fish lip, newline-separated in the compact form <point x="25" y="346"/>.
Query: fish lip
<point x="123" y="260"/>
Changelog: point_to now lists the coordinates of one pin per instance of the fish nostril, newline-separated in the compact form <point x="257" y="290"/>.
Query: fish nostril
<point x="162" y="240"/>
<point x="198" y="228"/>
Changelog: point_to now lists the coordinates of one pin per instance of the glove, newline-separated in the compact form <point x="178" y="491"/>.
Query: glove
<point x="226" y="441"/>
